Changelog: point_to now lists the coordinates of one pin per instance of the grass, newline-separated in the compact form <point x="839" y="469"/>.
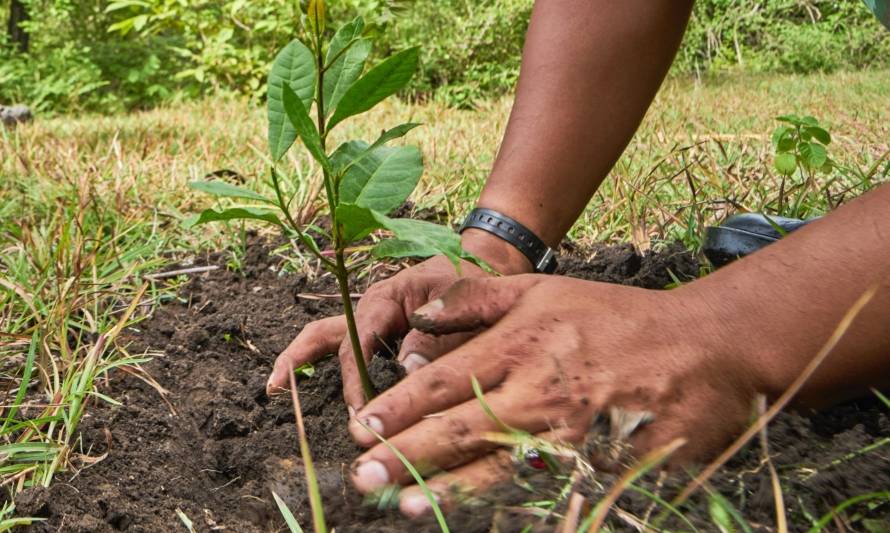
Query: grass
<point x="91" y="206"/>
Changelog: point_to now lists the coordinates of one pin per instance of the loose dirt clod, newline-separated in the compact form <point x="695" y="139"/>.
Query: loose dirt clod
<point x="231" y="445"/>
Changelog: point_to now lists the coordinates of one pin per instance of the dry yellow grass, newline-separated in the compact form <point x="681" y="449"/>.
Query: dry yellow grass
<point x="718" y="131"/>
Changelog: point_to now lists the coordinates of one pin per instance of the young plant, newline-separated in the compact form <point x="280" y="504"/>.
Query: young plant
<point x="363" y="183"/>
<point x="801" y="145"/>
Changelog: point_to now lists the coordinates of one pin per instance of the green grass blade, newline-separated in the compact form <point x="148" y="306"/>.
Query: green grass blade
<point x="186" y="521"/>
<point x="817" y="527"/>
<point x="288" y="516"/>
<point x="664" y="503"/>
<point x="440" y="517"/>
<point x="721" y="511"/>
<point x="26" y="380"/>
<point x="315" y="502"/>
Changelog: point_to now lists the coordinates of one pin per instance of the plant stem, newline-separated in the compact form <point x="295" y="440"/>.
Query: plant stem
<point x="340" y="271"/>
<point x="343" y="282"/>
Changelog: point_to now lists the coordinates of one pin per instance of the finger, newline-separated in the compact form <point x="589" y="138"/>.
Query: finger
<point x="448" y="440"/>
<point x="450" y="488"/>
<point x="377" y="317"/>
<point x="315" y="340"/>
<point x="435" y="387"/>
<point x="419" y="348"/>
<point x="472" y="303"/>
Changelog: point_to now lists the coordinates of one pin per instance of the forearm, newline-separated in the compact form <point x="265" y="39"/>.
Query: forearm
<point x="780" y="305"/>
<point x="590" y="69"/>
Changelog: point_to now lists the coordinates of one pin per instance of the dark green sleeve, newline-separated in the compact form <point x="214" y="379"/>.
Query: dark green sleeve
<point x="881" y="9"/>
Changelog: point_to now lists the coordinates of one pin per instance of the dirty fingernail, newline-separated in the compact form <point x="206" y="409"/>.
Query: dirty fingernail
<point x="414" y="361"/>
<point x="415" y="505"/>
<point x="374" y="423"/>
<point x="431" y="309"/>
<point x="370" y="475"/>
<point x="271" y="389"/>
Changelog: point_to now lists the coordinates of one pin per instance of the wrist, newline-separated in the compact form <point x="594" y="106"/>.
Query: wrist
<point x="742" y="340"/>
<point x="502" y="256"/>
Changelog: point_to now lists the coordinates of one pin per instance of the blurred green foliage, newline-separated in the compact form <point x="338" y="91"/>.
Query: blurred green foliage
<point x="124" y="54"/>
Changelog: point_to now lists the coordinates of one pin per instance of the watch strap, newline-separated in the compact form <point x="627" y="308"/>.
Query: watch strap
<point x="542" y="257"/>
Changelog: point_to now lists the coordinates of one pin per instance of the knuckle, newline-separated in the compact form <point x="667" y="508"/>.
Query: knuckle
<point x="311" y="329"/>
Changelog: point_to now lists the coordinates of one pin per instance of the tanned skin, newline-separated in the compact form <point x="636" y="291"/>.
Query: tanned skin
<point x="558" y="351"/>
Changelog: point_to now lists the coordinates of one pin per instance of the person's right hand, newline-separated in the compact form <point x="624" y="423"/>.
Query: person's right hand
<point x="383" y="312"/>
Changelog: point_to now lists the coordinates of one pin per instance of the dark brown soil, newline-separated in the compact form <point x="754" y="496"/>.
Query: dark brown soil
<point x="220" y="446"/>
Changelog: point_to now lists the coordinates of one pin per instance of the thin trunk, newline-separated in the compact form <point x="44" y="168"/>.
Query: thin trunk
<point x="17" y="34"/>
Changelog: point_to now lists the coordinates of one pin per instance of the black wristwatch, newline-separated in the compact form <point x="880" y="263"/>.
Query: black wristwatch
<point x="542" y="257"/>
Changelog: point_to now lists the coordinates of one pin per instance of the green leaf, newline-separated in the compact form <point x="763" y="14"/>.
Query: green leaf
<point x="809" y="121"/>
<point x="413" y="238"/>
<point x="393" y="133"/>
<point x="235" y="213"/>
<point x="425" y="236"/>
<point x="380" y="179"/>
<point x="399" y="248"/>
<point x="820" y="134"/>
<point x="780" y="133"/>
<point x="790" y="119"/>
<point x="298" y="116"/>
<point x="814" y="154"/>
<point x="221" y="188"/>
<point x="294" y="67"/>
<point x="315" y="15"/>
<point x="381" y="81"/>
<point x="356" y="222"/>
<point x="785" y="163"/>
<point x="787" y="144"/>
<point x="348" y="155"/>
<point x="344" y="62"/>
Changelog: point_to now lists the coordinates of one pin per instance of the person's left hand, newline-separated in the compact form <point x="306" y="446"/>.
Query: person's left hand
<point x="558" y="352"/>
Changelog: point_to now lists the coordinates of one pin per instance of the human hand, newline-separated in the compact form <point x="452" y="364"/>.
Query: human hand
<point x="558" y="352"/>
<point x="383" y="313"/>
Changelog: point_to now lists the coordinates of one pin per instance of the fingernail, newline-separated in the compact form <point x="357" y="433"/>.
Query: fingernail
<point x="370" y="475"/>
<point x="374" y="423"/>
<point x="431" y="309"/>
<point x="270" y="390"/>
<point x="416" y="505"/>
<point x="414" y="361"/>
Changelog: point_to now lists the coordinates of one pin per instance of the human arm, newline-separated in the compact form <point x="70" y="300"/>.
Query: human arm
<point x="560" y="351"/>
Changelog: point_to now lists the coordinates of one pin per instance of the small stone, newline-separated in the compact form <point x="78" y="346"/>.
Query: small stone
<point x="12" y="115"/>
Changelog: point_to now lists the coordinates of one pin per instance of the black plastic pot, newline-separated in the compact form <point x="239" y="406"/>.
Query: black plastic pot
<point x="744" y="234"/>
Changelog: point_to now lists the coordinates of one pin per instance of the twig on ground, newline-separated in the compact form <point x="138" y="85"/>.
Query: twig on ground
<point x="181" y="272"/>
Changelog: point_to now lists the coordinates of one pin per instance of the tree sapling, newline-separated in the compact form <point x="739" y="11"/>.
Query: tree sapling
<point x="363" y="183"/>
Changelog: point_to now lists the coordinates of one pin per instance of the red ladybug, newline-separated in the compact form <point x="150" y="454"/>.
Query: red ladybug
<point x="534" y="459"/>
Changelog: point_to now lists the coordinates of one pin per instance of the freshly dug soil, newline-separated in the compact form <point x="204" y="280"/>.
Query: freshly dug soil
<point x="216" y="446"/>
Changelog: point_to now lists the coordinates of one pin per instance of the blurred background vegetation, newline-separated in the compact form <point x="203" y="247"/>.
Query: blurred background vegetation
<point x="94" y="55"/>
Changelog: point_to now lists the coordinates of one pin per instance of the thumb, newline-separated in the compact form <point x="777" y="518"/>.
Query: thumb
<point x="472" y="303"/>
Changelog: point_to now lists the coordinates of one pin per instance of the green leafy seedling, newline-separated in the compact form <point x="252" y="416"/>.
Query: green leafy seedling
<point x="800" y="142"/>
<point x="363" y="182"/>
<point x="801" y="146"/>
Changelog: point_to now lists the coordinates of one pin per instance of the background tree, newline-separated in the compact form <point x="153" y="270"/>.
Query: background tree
<point x="14" y="28"/>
